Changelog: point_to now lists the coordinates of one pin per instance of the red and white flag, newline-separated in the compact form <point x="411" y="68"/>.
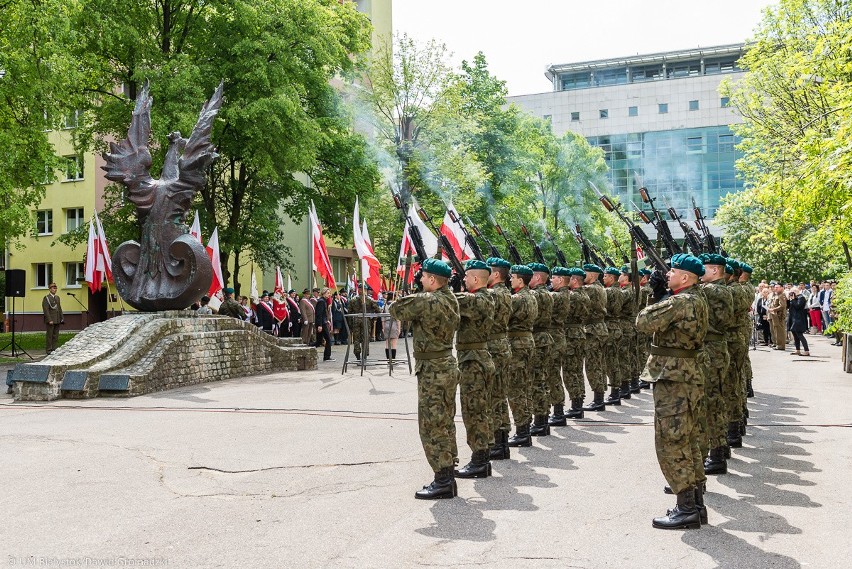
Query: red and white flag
<point x="104" y="249"/>
<point x="195" y="229"/>
<point x="454" y="234"/>
<point x="370" y="266"/>
<point x="218" y="282"/>
<point x="98" y="261"/>
<point x="430" y="242"/>
<point x="279" y="282"/>
<point x="640" y="254"/>
<point x="322" y="262"/>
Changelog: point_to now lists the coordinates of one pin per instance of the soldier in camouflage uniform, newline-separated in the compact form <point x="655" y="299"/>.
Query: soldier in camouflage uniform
<point x="627" y="320"/>
<point x="678" y="325"/>
<point x="738" y="339"/>
<point x="540" y="364"/>
<point x="434" y="314"/>
<point x="596" y="337"/>
<point x="613" y="348"/>
<point x="476" y="370"/>
<point x="501" y="354"/>
<point x="642" y="339"/>
<point x="524" y="313"/>
<point x="575" y="339"/>
<point x="558" y="317"/>
<point x="721" y="313"/>
<point x="356" y="325"/>
<point x="745" y="281"/>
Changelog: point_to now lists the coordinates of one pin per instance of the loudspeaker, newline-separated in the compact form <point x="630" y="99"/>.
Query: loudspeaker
<point x="16" y="282"/>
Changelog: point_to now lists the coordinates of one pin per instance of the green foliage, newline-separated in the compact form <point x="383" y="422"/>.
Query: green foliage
<point x="843" y="303"/>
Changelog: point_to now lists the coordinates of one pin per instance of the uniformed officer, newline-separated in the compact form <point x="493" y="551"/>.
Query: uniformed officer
<point x="521" y="321"/>
<point x="434" y="314"/>
<point x="745" y="282"/>
<point x="643" y="341"/>
<point x="501" y="354"/>
<point x="540" y="364"/>
<point x="627" y="321"/>
<point x="356" y="324"/>
<point x="678" y="325"/>
<point x="575" y="339"/>
<point x="476" y="370"/>
<point x="613" y="346"/>
<point x="559" y="315"/>
<point x="596" y="336"/>
<point x="740" y="332"/>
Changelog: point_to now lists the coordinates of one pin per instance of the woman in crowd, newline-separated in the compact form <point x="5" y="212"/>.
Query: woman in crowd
<point x="338" y="311"/>
<point x="797" y="312"/>
<point x="763" y="315"/>
<point x="815" y="311"/>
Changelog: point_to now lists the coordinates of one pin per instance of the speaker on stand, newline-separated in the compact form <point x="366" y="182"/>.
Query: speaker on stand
<point x="15" y="288"/>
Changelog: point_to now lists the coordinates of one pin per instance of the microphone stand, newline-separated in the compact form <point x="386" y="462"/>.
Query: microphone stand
<point x="86" y="310"/>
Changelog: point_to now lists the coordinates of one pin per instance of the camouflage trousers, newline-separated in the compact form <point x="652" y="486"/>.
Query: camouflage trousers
<point x="593" y="352"/>
<point x="539" y="370"/>
<point x="747" y="374"/>
<point x="572" y="367"/>
<point x="519" y="384"/>
<point x="642" y="346"/>
<point x="476" y="385"/>
<point x="501" y="355"/>
<point x="735" y="385"/>
<point x="627" y="351"/>
<point x="555" y="391"/>
<point x="676" y="433"/>
<point x="612" y="354"/>
<point x="436" y="409"/>
<point x="357" y="338"/>
<point x="715" y="373"/>
<point x="701" y="430"/>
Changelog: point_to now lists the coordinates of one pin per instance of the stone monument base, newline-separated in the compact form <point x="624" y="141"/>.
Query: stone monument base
<point x="142" y="353"/>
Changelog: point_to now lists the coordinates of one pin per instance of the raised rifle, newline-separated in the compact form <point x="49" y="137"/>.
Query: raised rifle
<point x="468" y="238"/>
<point x="494" y="251"/>
<point x="635" y="231"/>
<point x="590" y="252"/>
<point x="448" y="250"/>
<point x="537" y="254"/>
<point x="416" y="241"/>
<point x="691" y="239"/>
<point x="513" y="251"/>
<point x="620" y="251"/>
<point x="661" y="224"/>
<point x="560" y="256"/>
<point x="709" y="239"/>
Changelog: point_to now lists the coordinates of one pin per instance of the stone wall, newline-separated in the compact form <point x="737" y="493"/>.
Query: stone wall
<point x="146" y="352"/>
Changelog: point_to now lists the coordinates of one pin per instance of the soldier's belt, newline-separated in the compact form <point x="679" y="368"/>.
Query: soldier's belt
<point x="672" y="352"/>
<point x="713" y="337"/>
<point x="471" y="346"/>
<point x="538" y="330"/>
<point x="595" y="321"/>
<point x="496" y="337"/>
<point x="432" y="355"/>
<point x="519" y="334"/>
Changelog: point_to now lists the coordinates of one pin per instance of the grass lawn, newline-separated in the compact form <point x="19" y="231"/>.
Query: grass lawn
<point x="29" y="341"/>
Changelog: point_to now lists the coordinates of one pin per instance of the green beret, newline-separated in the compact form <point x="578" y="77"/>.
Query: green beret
<point x="612" y="271"/>
<point x="229" y="290"/>
<point x="713" y="259"/>
<point x="561" y="272"/>
<point x="625" y="269"/>
<point x="521" y="270"/>
<point x="645" y="272"/>
<point x="437" y="267"/>
<point x="498" y="262"/>
<point x="734" y="263"/>
<point x="539" y="268"/>
<point x="686" y="262"/>
<point x="592" y="268"/>
<point x="577" y="272"/>
<point x="476" y="265"/>
<point x="729" y="269"/>
<point x="746" y="268"/>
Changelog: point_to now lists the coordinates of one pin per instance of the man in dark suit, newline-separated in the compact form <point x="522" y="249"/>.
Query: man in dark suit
<point x="323" y="322"/>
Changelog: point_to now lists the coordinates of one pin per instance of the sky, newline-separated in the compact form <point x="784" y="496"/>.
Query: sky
<point x="520" y="38"/>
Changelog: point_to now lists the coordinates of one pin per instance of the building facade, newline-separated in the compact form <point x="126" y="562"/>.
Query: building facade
<point x="659" y="118"/>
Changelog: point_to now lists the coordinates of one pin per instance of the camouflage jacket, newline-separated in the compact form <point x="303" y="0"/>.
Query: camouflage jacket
<point x="524" y="313"/>
<point x="476" y="311"/>
<point x="561" y="308"/>
<point x="595" y="325"/>
<point x="614" y="304"/>
<point x="749" y="292"/>
<point x="435" y="319"/>
<point x="743" y="299"/>
<point x="579" y="309"/>
<point x="231" y="307"/>
<point x="497" y="340"/>
<point x="628" y="307"/>
<point x="356" y="305"/>
<point x="720" y="302"/>
<point x="541" y="327"/>
<point x="679" y="322"/>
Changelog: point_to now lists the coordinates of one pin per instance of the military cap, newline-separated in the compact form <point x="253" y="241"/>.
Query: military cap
<point x="561" y="272"/>
<point x="576" y="272"/>
<point x="437" y="267"/>
<point x="646" y="272"/>
<point x="498" y="262"/>
<point x="307" y="290"/>
<point x="712" y="259"/>
<point x="612" y="271"/>
<point x="476" y="265"/>
<point x="521" y="270"/>
<point x="729" y="269"/>
<point x="539" y="268"/>
<point x="625" y="269"/>
<point x="291" y="291"/>
<point x="734" y="263"/>
<point x="592" y="268"/>
<point x="228" y="290"/>
<point x="746" y="268"/>
<point x="686" y="262"/>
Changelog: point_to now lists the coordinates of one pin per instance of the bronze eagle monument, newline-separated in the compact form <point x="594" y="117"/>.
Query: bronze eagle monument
<point x="168" y="269"/>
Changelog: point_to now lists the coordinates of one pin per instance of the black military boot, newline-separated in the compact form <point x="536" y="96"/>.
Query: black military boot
<point x="500" y="450"/>
<point x="667" y="489"/>
<point x="727" y="450"/>
<point x="576" y="411"/>
<point x="540" y="427"/>
<point x="644" y="384"/>
<point x="715" y="462"/>
<point x="597" y="403"/>
<point x="625" y="390"/>
<point x="735" y="439"/>
<point x="699" y="504"/>
<point x="478" y="467"/>
<point x="634" y="386"/>
<point x="749" y="389"/>
<point x="558" y="417"/>
<point x="683" y="516"/>
<point x="614" y="397"/>
<point x="444" y="486"/>
<point x="522" y="437"/>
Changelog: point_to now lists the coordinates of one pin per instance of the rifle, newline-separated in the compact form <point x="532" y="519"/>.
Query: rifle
<point x="513" y="251"/>
<point x="689" y="235"/>
<point x="468" y="238"/>
<point x="560" y="257"/>
<point x="539" y="256"/>
<point x="494" y="251"/>
<point x="709" y="239"/>
<point x="662" y="226"/>
<point x="635" y="231"/>
<point x="447" y="248"/>
<point x="590" y="252"/>
<point x="619" y="250"/>
<point x="416" y="240"/>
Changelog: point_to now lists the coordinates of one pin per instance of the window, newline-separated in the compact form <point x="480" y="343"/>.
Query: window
<point x="726" y="143"/>
<point x="663" y="108"/>
<point x="73" y="168"/>
<point x="725" y="102"/>
<point x="575" y="116"/>
<point x="44" y="222"/>
<point x="693" y="105"/>
<point x="616" y="76"/>
<point x="632" y="111"/>
<point x="43" y="274"/>
<point x="71" y="120"/>
<point x="73" y="219"/>
<point x="75" y="273"/>
<point x="579" y="80"/>
<point x="694" y="144"/>
<point x="604" y="113"/>
<point x="648" y="73"/>
<point x="340" y="268"/>
<point x="684" y="69"/>
<point x="548" y="118"/>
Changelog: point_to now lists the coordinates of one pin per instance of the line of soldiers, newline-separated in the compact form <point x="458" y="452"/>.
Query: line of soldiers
<point x="521" y="350"/>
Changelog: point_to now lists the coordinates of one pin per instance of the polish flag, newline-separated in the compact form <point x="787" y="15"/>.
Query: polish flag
<point x="279" y="282"/>
<point x="195" y="230"/>
<point x="454" y="234"/>
<point x="370" y="265"/>
<point x="289" y="283"/>
<point x="322" y="262"/>
<point x="430" y="242"/>
<point x="106" y="258"/>
<point x="640" y="254"/>
<point x="218" y="282"/>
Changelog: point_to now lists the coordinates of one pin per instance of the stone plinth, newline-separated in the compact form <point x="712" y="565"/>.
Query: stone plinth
<point x="146" y="352"/>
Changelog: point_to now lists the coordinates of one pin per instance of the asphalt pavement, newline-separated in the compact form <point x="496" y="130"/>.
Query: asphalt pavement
<point x="319" y="469"/>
